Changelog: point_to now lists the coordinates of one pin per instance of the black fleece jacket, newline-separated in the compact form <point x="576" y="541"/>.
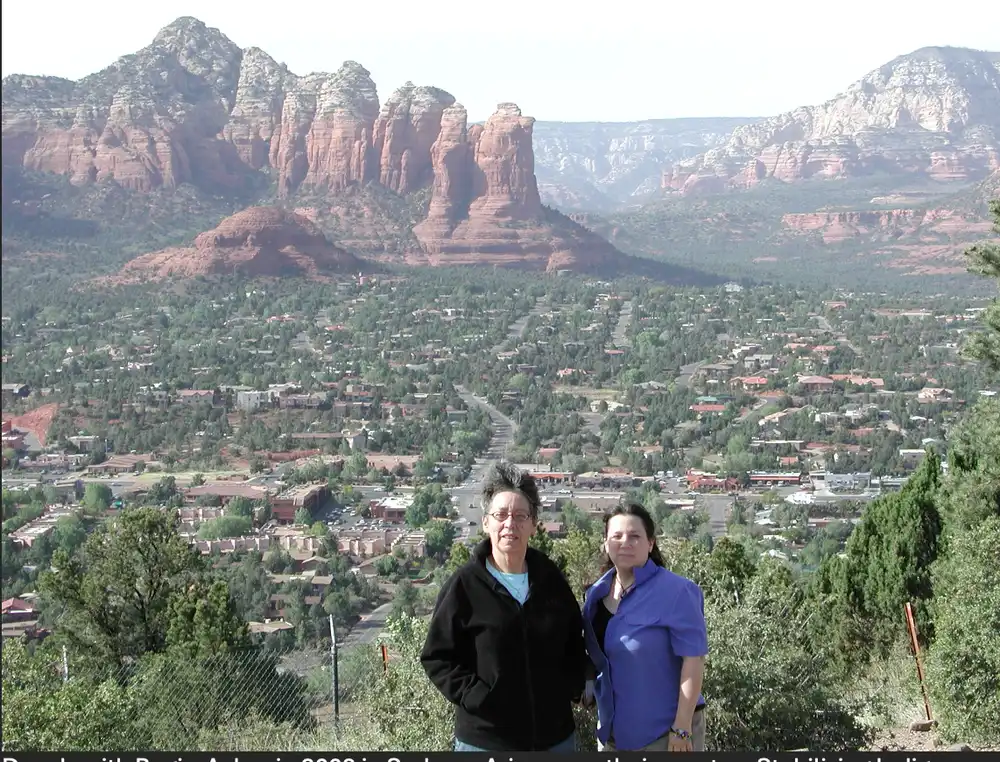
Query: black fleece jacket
<point x="512" y="671"/>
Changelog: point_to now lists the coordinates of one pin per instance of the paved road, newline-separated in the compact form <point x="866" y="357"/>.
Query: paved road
<point x="504" y="430"/>
<point x="518" y="327"/>
<point x="717" y="506"/>
<point x="368" y="629"/>
<point x="619" y="337"/>
<point x="757" y="406"/>
<point x="687" y="371"/>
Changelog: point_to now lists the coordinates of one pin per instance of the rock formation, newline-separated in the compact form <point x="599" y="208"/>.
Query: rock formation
<point x="485" y="207"/>
<point x="193" y="108"/>
<point x="958" y="218"/>
<point x="935" y="111"/>
<point x="151" y="119"/>
<point x="505" y="186"/>
<point x="257" y="106"/>
<point x="404" y="134"/>
<point x="601" y="166"/>
<point x="887" y="224"/>
<point x="326" y="131"/>
<point x="259" y="241"/>
<point x="929" y="239"/>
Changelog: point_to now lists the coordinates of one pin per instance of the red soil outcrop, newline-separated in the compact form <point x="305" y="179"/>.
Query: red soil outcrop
<point x="259" y="241"/>
<point x="37" y="421"/>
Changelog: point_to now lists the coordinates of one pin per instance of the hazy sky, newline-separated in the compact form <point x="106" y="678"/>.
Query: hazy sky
<point x="620" y="60"/>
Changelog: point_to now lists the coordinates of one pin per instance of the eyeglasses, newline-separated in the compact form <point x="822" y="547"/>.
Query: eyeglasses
<point x="519" y="518"/>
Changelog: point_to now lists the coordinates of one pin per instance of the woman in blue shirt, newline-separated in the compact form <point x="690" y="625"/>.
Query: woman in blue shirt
<point x="645" y="633"/>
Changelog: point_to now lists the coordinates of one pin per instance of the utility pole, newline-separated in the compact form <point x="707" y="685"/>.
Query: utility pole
<point x="336" y="673"/>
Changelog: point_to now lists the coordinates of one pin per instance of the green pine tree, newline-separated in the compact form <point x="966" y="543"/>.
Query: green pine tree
<point x="889" y="558"/>
<point x="984" y="259"/>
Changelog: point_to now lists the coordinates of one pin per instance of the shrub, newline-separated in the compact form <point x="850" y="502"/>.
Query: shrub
<point x="764" y="686"/>
<point x="963" y="665"/>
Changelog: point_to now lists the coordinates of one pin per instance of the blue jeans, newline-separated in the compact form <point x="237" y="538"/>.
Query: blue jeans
<point x="569" y="745"/>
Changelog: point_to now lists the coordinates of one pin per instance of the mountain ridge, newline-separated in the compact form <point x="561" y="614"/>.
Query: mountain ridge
<point x="193" y="108"/>
<point x="935" y="111"/>
<point x="410" y="179"/>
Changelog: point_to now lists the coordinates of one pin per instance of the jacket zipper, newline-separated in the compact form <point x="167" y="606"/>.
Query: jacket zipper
<point x="527" y="663"/>
<point x="531" y="688"/>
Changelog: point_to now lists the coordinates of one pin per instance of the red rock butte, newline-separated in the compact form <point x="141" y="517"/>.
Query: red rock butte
<point x="193" y="108"/>
<point x="262" y="241"/>
<point x="485" y="207"/>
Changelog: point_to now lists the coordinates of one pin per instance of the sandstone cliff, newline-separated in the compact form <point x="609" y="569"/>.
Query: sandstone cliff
<point x="150" y="119"/>
<point x="326" y="131"/>
<point x="929" y="239"/>
<point x="959" y="217"/>
<point x="404" y="134"/>
<point x="935" y="111"/>
<point x="257" y="242"/>
<point x="885" y="225"/>
<point x="193" y="108"/>
<point x="485" y="207"/>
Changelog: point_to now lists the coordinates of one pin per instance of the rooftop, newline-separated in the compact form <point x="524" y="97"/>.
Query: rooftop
<point x="300" y="492"/>
<point x="230" y="489"/>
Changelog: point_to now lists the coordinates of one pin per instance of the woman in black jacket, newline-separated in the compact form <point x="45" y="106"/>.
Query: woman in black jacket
<point x="506" y="639"/>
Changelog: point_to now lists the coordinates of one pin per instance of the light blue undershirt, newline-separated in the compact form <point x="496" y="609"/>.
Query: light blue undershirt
<point x="516" y="584"/>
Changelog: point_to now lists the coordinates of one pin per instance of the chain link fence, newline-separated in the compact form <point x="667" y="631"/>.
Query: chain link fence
<point x="189" y="702"/>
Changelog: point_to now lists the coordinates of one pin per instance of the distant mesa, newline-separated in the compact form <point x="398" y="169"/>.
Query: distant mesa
<point x="928" y="239"/>
<point x="952" y="217"/>
<point x="262" y="241"/>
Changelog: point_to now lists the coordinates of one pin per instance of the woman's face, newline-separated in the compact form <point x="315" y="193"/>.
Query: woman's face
<point x="509" y="524"/>
<point x="626" y="543"/>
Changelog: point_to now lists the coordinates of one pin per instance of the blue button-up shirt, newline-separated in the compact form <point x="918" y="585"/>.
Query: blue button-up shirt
<point x="659" y="621"/>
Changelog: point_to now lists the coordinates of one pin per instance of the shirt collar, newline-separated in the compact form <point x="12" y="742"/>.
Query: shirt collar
<point x="645" y="572"/>
<point x="603" y="586"/>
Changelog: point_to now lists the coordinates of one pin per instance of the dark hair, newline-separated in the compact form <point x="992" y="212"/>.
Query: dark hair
<point x="632" y="509"/>
<point x="506" y="477"/>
